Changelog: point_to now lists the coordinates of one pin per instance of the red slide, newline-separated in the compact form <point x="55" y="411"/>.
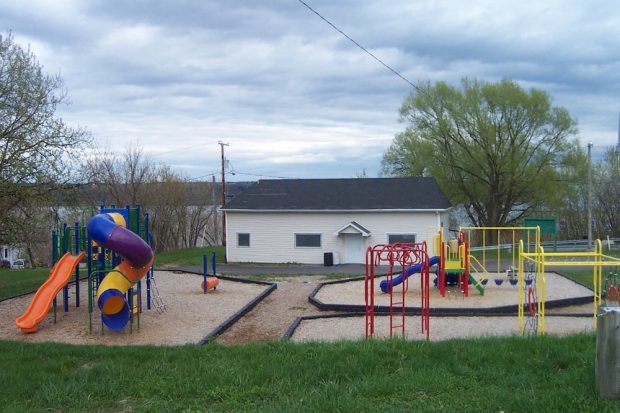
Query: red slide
<point x="42" y="300"/>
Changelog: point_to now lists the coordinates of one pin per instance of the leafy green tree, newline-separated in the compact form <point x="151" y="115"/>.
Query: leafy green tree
<point x="606" y="193"/>
<point x="37" y="149"/>
<point x="492" y="147"/>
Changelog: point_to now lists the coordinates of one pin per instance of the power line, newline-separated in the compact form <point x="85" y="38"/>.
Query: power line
<point x="262" y="176"/>
<point x="358" y="45"/>
<point x="202" y="176"/>
<point x="183" y="149"/>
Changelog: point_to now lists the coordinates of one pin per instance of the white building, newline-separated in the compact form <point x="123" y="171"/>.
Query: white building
<point x="300" y="220"/>
<point x="9" y="253"/>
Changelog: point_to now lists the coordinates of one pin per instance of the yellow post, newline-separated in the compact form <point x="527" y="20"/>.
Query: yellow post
<point x="484" y="248"/>
<point x="527" y="248"/>
<point x="512" y="248"/>
<point x="499" y="254"/>
<point x="437" y="243"/>
<point x="597" y="277"/>
<point x="541" y="289"/>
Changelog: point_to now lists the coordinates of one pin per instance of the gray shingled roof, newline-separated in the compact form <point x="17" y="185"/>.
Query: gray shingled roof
<point x="341" y="194"/>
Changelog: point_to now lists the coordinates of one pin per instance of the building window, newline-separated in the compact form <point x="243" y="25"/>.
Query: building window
<point x="308" y="240"/>
<point x="243" y="240"/>
<point x="401" y="238"/>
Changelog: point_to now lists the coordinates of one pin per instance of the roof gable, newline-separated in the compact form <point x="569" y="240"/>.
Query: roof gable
<point x="342" y="194"/>
<point x="353" y="228"/>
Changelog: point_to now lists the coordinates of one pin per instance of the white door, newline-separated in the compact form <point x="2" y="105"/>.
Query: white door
<point x="354" y="249"/>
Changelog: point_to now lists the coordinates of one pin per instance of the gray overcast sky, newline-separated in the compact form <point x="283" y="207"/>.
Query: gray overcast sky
<point x="293" y="97"/>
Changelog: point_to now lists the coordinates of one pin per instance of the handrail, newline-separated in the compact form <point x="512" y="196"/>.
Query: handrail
<point x="473" y="261"/>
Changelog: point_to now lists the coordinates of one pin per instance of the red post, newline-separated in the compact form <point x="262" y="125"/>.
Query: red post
<point x="369" y="293"/>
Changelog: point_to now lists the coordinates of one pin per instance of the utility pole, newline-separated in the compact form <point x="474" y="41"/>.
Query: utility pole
<point x="590" y="195"/>
<point x="214" y="210"/>
<point x="222" y="144"/>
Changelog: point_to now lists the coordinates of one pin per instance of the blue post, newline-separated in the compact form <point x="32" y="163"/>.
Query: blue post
<point x="149" y="275"/>
<point x="128" y="212"/>
<point x="54" y="247"/>
<point x="204" y="273"/>
<point x="213" y="255"/>
<point x="139" y="285"/>
<point x="77" y="269"/>
<point x="64" y="240"/>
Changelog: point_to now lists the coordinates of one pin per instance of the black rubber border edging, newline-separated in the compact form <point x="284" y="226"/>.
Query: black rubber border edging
<point x="293" y="327"/>
<point x="488" y="311"/>
<point x="235" y="317"/>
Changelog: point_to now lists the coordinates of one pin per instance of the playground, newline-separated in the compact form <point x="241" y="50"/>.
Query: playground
<point x="470" y="299"/>
<point x="453" y="316"/>
<point x="176" y="310"/>
<point x="102" y="289"/>
<point x="189" y="316"/>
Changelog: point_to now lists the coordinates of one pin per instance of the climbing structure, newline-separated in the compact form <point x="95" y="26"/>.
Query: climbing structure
<point x="454" y="261"/>
<point x="398" y="258"/>
<point x="540" y="259"/>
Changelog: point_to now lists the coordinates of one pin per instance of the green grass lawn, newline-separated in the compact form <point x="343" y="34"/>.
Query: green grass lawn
<point x="581" y="276"/>
<point x="189" y="256"/>
<point x="15" y="282"/>
<point x="545" y="374"/>
<point x="541" y="374"/>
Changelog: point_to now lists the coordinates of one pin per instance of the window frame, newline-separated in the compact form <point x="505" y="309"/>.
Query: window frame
<point x="308" y="234"/>
<point x="415" y="237"/>
<point x="249" y="240"/>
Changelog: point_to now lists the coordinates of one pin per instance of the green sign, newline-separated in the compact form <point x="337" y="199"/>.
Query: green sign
<point x="547" y="226"/>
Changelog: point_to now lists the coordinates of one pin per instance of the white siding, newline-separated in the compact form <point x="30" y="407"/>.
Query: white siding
<point x="9" y="253"/>
<point x="272" y="234"/>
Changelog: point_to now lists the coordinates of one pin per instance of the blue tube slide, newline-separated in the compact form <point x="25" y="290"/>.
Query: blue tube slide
<point x="387" y="286"/>
<point x="108" y="230"/>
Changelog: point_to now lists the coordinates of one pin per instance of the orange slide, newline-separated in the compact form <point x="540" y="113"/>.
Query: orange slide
<point x="42" y="300"/>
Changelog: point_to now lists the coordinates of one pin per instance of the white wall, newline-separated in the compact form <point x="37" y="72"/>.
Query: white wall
<point x="10" y="253"/>
<point x="272" y="234"/>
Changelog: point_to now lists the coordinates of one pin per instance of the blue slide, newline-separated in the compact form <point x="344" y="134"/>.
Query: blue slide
<point x="386" y="287"/>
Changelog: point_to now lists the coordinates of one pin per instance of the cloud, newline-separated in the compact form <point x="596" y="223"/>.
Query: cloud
<point x="291" y="95"/>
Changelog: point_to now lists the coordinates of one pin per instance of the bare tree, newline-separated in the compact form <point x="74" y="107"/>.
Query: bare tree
<point x="37" y="149"/>
<point x="606" y="193"/>
<point x="179" y="209"/>
<point x="124" y="178"/>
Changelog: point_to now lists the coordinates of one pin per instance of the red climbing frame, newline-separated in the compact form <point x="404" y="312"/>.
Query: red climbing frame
<point x="399" y="257"/>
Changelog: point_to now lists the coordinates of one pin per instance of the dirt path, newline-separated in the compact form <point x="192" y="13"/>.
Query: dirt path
<point x="270" y="319"/>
